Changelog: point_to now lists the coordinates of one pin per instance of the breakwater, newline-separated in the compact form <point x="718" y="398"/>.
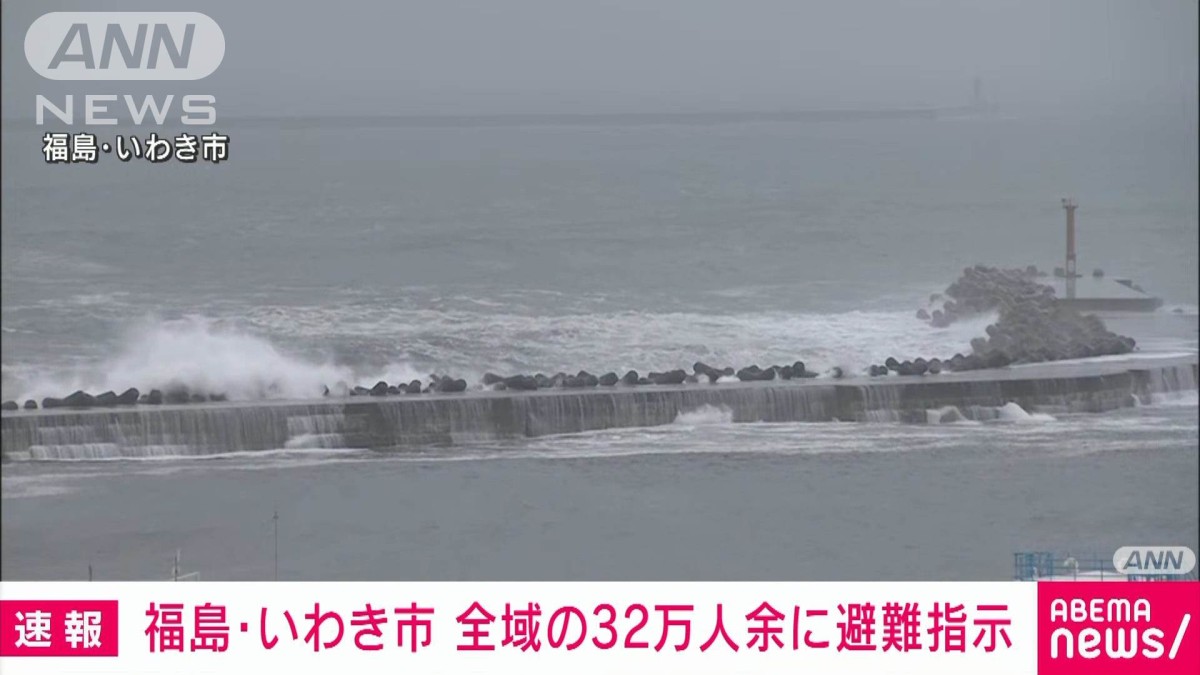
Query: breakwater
<point x="399" y="422"/>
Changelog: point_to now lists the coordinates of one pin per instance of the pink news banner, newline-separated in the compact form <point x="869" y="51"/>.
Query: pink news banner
<point x="1050" y="627"/>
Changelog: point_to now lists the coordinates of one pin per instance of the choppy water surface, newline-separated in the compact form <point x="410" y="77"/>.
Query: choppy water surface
<point x="327" y="252"/>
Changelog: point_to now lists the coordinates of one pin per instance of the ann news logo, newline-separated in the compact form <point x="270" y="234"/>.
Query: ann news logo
<point x="125" y="46"/>
<point x="1154" y="561"/>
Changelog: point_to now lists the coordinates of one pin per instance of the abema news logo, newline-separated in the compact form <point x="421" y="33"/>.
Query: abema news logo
<point x="1118" y="628"/>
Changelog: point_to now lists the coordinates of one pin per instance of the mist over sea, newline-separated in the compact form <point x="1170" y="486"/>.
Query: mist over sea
<point x="356" y="250"/>
<point x="331" y="250"/>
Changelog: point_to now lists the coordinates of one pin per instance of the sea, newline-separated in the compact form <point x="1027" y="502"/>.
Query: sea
<point x="330" y="250"/>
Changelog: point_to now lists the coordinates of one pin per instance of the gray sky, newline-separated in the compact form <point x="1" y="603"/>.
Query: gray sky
<point x="532" y="56"/>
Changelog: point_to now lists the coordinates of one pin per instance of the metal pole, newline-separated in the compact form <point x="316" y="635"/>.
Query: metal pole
<point x="1070" y="238"/>
<point x="1069" y="271"/>
<point x="89" y="571"/>
<point x="275" y="523"/>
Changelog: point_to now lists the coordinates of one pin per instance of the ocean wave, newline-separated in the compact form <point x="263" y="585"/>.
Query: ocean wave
<point x="269" y="352"/>
<point x="705" y="415"/>
<point x="947" y="415"/>
<point x="195" y="352"/>
<point x="1011" y="412"/>
<point x="454" y="337"/>
<point x="1175" y="399"/>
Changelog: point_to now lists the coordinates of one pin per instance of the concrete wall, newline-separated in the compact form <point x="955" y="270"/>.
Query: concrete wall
<point x="397" y="422"/>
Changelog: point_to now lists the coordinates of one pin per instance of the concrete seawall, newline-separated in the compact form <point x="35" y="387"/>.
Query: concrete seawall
<point x="398" y="422"/>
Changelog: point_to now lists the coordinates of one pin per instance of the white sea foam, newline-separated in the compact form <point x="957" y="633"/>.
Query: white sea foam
<point x="1176" y="399"/>
<point x="210" y="355"/>
<point x="1011" y="412"/>
<point x="471" y="343"/>
<point x="946" y="415"/>
<point x="705" y="415"/>
<point x="200" y="354"/>
<point x="306" y="448"/>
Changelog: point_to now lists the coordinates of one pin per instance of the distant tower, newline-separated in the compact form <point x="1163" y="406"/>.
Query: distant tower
<point x="977" y="94"/>
<point x="1069" y="206"/>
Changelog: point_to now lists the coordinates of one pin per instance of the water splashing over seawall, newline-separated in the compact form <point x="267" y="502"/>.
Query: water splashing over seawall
<point x="395" y="423"/>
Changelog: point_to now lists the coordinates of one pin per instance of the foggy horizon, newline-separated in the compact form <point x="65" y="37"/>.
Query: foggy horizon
<point x="535" y="57"/>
